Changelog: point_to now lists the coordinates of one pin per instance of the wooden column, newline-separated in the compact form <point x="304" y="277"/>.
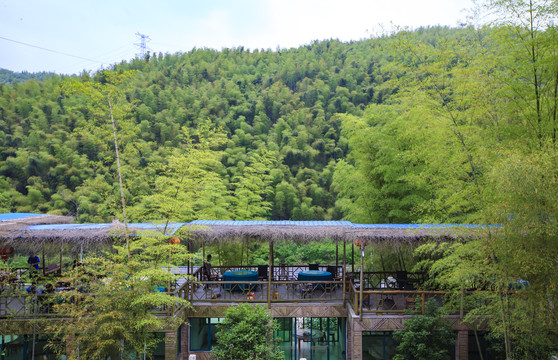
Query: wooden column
<point x="189" y="260"/>
<point x="353" y="256"/>
<point x="462" y="345"/>
<point x="270" y="274"/>
<point x="361" y="287"/>
<point x="203" y="251"/>
<point x="344" y="273"/>
<point x="336" y="253"/>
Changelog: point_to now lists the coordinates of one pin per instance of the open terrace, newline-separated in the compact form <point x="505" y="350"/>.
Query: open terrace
<point x="380" y="293"/>
<point x="384" y="293"/>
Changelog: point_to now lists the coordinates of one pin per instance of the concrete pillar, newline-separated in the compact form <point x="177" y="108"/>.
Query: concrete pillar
<point x="349" y="339"/>
<point x="357" y="345"/>
<point x="354" y="339"/>
<point x="462" y="345"/>
<point x="171" y="351"/>
<point x="185" y="341"/>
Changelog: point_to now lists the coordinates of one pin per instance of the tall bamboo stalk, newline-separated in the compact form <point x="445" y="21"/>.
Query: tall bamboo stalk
<point x="120" y="182"/>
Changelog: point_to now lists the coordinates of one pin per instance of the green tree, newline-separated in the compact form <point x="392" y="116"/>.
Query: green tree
<point x="425" y="337"/>
<point x="113" y="307"/>
<point x="189" y="184"/>
<point x="247" y="333"/>
<point x="253" y="188"/>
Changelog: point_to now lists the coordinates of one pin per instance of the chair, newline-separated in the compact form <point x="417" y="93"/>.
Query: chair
<point x="313" y="267"/>
<point x="333" y="270"/>
<point x="283" y="273"/>
<point x="263" y="273"/>
<point x="401" y="278"/>
<point x="333" y="338"/>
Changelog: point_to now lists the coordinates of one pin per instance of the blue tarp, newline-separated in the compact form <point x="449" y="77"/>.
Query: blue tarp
<point x="270" y="222"/>
<point x="173" y="227"/>
<point x="17" y="216"/>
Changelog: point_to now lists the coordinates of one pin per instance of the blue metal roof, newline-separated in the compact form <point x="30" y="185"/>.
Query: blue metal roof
<point x="17" y="216"/>
<point x="68" y="226"/>
<point x="173" y="227"/>
<point x="270" y="222"/>
<point x="414" y="226"/>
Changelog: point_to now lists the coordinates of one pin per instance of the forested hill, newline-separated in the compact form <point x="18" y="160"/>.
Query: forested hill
<point x="283" y="102"/>
<point x="395" y="129"/>
<point x="7" y="76"/>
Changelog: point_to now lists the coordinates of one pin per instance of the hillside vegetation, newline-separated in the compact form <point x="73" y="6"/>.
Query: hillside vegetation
<point x="403" y="128"/>
<point x="281" y="105"/>
<point x="433" y="125"/>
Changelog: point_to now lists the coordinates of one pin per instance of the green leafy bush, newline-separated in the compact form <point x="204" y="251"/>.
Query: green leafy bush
<point x="247" y="333"/>
<point x="426" y="337"/>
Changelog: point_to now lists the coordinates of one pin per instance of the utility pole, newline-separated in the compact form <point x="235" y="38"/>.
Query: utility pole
<point x="142" y="45"/>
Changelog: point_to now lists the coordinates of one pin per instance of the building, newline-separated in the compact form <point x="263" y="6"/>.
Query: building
<point x="325" y="311"/>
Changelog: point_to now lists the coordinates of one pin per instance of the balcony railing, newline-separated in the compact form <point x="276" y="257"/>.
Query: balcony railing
<point x="383" y="292"/>
<point x="386" y="301"/>
<point x="257" y="291"/>
<point x="16" y="302"/>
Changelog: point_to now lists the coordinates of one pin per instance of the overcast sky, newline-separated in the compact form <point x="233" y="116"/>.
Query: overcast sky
<point x="77" y="34"/>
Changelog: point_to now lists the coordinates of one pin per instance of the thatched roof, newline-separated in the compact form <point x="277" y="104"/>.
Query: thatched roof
<point x="214" y="230"/>
<point x="412" y="233"/>
<point x="18" y="220"/>
<point x="12" y="227"/>
<point x="24" y="233"/>
<point x="39" y="231"/>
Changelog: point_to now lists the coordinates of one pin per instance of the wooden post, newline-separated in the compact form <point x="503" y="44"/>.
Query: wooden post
<point x="356" y="303"/>
<point x="270" y="274"/>
<point x="336" y="253"/>
<point x="353" y="256"/>
<point x="203" y="251"/>
<point x="44" y="262"/>
<point x="361" y="281"/>
<point x="344" y="272"/>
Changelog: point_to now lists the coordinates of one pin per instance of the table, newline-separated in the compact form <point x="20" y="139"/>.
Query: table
<point x="308" y="335"/>
<point x="315" y="275"/>
<point x="239" y="275"/>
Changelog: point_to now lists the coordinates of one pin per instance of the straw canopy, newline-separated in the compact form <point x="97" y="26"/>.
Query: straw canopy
<point x="12" y="227"/>
<point x="36" y="237"/>
<point x="39" y="231"/>
<point x="304" y="231"/>
<point x="300" y="231"/>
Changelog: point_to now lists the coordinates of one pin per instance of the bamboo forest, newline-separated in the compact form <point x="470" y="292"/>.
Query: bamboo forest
<point x="452" y="125"/>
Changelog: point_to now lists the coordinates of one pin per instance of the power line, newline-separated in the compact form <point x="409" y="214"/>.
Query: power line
<point x="53" y="51"/>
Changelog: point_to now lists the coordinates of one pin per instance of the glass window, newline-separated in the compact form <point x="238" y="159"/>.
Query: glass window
<point x="19" y="347"/>
<point x="203" y="333"/>
<point x="378" y="345"/>
<point x="481" y="346"/>
<point x="312" y="338"/>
